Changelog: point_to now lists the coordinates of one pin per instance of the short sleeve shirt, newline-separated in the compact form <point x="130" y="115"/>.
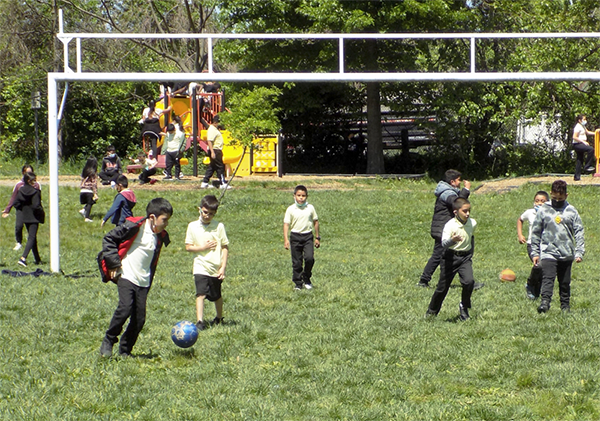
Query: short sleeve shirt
<point x="529" y="216"/>
<point x="301" y="220"/>
<point x="214" y="135"/>
<point x="136" y="265"/>
<point x="207" y="262"/>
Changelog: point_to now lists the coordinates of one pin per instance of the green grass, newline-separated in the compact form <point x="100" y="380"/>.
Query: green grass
<point x="357" y="347"/>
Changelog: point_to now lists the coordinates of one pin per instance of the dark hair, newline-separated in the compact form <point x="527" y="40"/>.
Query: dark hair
<point x="210" y="202"/>
<point x="29" y="176"/>
<point x="216" y="119"/>
<point x="459" y="202"/>
<point x="170" y="127"/>
<point x="90" y="168"/>
<point x="122" y="180"/>
<point x="300" y="187"/>
<point x="559" y="186"/>
<point x="580" y="117"/>
<point x="23" y="170"/>
<point x="451" y="175"/>
<point x="159" y="206"/>
<point x="151" y="106"/>
<point x="542" y="193"/>
<point x="110" y="148"/>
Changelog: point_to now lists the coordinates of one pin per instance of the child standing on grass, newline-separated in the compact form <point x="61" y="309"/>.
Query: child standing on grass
<point x="122" y="207"/>
<point x="29" y="202"/>
<point x="19" y="220"/>
<point x="457" y="241"/>
<point x="208" y="240"/>
<point x="534" y="281"/>
<point x="88" y="189"/>
<point x="139" y="240"/>
<point x="300" y="219"/>
<point x="556" y="240"/>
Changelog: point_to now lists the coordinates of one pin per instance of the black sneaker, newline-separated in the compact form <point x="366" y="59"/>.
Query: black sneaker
<point x="430" y="314"/>
<point x="200" y="325"/>
<point x="423" y="284"/>
<point x="106" y="348"/>
<point x="22" y="262"/>
<point x="565" y="309"/>
<point x="463" y="312"/>
<point x="544" y="307"/>
<point x="297" y="288"/>
<point x="216" y="321"/>
<point x="478" y="285"/>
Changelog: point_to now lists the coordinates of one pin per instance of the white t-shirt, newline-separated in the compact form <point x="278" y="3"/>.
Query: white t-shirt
<point x="207" y="262"/>
<point x="300" y="219"/>
<point x="135" y="267"/>
<point x="579" y="133"/>
<point x="529" y="216"/>
<point x="157" y="113"/>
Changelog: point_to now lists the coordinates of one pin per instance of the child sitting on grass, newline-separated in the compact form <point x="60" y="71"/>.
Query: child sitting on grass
<point x="556" y="240"/>
<point x="207" y="239"/>
<point x="534" y="281"/>
<point x="122" y="207"/>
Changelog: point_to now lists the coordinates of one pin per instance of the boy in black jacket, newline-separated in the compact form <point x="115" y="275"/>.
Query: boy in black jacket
<point x="131" y="252"/>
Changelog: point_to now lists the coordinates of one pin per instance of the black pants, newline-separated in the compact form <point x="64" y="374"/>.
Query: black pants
<point x="172" y="159"/>
<point x="450" y="265"/>
<point x="534" y="282"/>
<point x="217" y="165"/>
<point x="560" y="269"/>
<point x="108" y="176"/>
<point x="303" y="254"/>
<point x="146" y="174"/>
<point x="433" y="262"/>
<point x="87" y="199"/>
<point x="581" y="149"/>
<point x="32" y="245"/>
<point x="19" y="227"/>
<point x="132" y="304"/>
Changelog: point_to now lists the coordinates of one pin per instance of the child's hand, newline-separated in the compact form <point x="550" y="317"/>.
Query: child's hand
<point x="456" y="237"/>
<point x="522" y="239"/>
<point x="208" y="245"/>
<point x="317" y="243"/>
<point x="5" y="214"/>
<point x="286" y="244"/>
<point x="578" y="259"/>
<point x="221" y="273"/>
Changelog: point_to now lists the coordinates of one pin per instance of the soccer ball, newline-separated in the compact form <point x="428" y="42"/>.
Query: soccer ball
<point x="184" y="334"/>
<point x="507" y="275"/>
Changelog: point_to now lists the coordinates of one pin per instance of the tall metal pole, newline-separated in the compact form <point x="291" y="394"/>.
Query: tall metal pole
<point x="53" y="172"/>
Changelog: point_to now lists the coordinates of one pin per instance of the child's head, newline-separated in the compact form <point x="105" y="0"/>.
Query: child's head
<point x="540" y="198"/>
<point x="581" y="117"/>
<point x="111" y="151"/>
<point x="26" y="168"/>
<point x="300" y="194"/>
<point x="29" y="178"/>
<point x="141" y="156"/>
<point x="208" y="208"/>
<point x="171" y="128"/>
<point x="90" y="168"/>
<point x="462" y="209"/>
<point x="452" y="177"/>
<point x="558" y="193"/>
<point x="159" y="211"/>
<point x="122" y="182"/>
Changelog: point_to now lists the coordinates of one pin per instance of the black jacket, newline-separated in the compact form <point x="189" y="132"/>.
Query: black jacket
<point x="442" y="212"/>
<point x="29" y="202"/>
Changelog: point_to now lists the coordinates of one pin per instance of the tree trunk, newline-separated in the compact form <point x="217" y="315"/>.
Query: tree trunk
<point x="375" y="163"/>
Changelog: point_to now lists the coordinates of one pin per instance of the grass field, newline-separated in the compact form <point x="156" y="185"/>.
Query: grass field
<point x="357" y="347"/>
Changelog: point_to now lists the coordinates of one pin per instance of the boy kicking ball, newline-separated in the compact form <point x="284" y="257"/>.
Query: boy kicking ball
<point x="208" y="240"/>
<point x="457" y="241"/>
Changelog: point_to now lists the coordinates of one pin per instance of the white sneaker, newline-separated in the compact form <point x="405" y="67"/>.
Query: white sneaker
<point x="308" y="286"/>
<point x="17" y="246"/>
<point x="82" y="211"/>
<point x="225" y="187"/>
<point x="204" y="185"/>
<point x="181" y="175"/>
<point x="113" y="184"/>
<point x="88" y="220"/>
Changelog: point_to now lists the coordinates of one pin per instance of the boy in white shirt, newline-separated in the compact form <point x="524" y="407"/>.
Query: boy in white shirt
<point x="534" y="282"/>
<point x="300" y="219"/>
<point x="457" y="240"/>
<point x="208" y="240"/>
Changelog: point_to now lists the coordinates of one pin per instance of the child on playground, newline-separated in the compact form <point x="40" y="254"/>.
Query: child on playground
<point x="557" y="238"/>
<point x="534" y="281"/>
<point x="148" y="167"/>
<point x="88" y="189"/>
<point x="111" y="167"/>
<point x="457" y="242"/>
<point x="29" y="202"/>
<point x="207" y="239"/>
<point x="19" y="220"/>
<point x="300" y="218"/>
<point x="122" y="207"/>
<point x="142" y="238"/>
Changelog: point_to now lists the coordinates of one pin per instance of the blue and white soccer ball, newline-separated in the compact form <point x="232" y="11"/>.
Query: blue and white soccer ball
<point x="184" y="334"/>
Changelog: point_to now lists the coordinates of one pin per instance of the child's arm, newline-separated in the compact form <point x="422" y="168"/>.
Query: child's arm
<point x="522" y="239"/>
<point x="206" y="245"/>
<point x="317" y="236"/>
<point x="286" y="230"/>
<point x="224" y="256"/>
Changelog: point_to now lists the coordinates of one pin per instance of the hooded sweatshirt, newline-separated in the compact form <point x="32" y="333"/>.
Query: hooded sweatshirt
<point x="29" y="202"/>
<point x="442" y="212"/>
<point x="122" y="207"/>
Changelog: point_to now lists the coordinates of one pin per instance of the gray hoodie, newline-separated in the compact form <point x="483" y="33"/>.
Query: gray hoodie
<point x="557" y="234"/>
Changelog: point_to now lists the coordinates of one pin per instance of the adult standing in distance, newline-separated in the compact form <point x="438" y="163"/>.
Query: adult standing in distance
<point x="582" y="147"/>
<point x="446" y="192"/>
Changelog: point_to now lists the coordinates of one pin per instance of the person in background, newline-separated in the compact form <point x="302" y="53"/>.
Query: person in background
<point x="29" y="202"/>
<point x="19" y="221"/>
<point x="88" y="189"/>
<point x="582" y="147"/>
